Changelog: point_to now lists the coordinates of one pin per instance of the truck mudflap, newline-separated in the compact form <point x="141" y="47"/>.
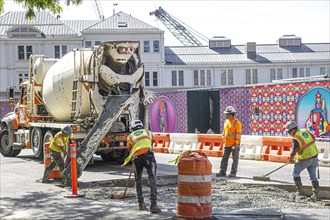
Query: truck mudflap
<point x="112" y="109"/>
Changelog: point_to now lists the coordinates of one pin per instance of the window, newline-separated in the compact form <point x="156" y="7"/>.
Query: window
<point x="276" y="74"/>
<point x="248" y="76"/>
<point x="60" y="51"/>
<point x="301" y="72"/>
<point x="25" y="32"/>
<point x="202" y="77"/>
<point x="174" y="78"/>
<point x="196" y="83"/>
<point x="324" y="70"/>
<point x="147" y="79"/>
<point x="146" y="46"/>
<point x="254" y="76"/>
<point x="22" y="77"/>
<point x="155" y="78"/>
<point x="97" y="43"/>
<point x="24" y="52"/>
<point x="156" y="46"/>
<point x="208" y="77"/>
<point x="177" y="76"/>
<point x="251" y="78"/>
<point x="227" y="77"/>
<point x="88" y="43"/>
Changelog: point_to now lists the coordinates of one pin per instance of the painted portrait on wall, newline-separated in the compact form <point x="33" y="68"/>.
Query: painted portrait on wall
<point x="163" y="115"/>
<point x="313" y="110"/>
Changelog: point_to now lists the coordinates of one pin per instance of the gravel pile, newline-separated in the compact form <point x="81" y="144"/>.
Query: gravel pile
<point x="225" y="195"/>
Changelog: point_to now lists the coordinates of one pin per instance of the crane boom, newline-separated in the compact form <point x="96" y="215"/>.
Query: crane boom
<point x="98" y="10"/>
<point x="176" y="28"/>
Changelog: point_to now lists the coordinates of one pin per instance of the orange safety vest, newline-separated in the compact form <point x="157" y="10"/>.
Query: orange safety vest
<point x="232" y="132"/>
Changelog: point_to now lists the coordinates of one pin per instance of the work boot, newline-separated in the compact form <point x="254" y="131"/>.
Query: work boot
<point x="154" y="208"/>
<point x="299" y="186"/>
<point x="220" y="174"/>
<point x="232" y="175"/>
<point x="142" y="206"/>
<point x="315" y="196"/>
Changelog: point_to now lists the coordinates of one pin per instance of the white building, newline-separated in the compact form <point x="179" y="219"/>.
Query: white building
<point x="166" y="68"/>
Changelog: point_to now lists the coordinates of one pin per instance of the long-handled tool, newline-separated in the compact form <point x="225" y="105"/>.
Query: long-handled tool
<point x="125" y="194"/>
<point x="265" y="177"/>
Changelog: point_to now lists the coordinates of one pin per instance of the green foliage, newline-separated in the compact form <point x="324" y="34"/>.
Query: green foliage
<point x="41" y="5"/>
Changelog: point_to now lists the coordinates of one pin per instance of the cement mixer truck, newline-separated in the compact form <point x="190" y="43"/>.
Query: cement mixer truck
<point x="97" y="91"/>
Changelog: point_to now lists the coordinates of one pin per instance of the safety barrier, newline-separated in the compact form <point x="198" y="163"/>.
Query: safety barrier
<point x="55" y="173"/>
<point x="194" y="187"/>
<point x="270" y="148"/>
<point x="161" y="142"/>
<point x="251" y="147"/>
<point x="279" y="148"/>
<point x="182" y="142"/>
<point x="210" y="144"/>
<point x="324" y="153"/>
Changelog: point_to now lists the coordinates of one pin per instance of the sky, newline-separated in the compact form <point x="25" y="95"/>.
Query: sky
<point x="260" y="21"/>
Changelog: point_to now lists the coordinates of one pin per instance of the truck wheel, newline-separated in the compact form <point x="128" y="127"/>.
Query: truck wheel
<point x="49" y="134"/>
<point x="106" y="157"/>
<point x="37" y="143"/>
<point x="5" y="149"/>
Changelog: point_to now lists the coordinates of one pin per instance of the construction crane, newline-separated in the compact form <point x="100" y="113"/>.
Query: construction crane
<point x="98" y="10"/>
<point x="179" y="29"/>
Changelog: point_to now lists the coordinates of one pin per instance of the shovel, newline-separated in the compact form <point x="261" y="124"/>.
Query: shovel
<point x="125" y="194"/>
<point x="265" y="177"/>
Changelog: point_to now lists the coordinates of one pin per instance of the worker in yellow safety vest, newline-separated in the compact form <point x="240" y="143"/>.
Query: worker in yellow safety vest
<point x="140" y="142"/>
<point x="232" y="133"/>
<point x="303" y="143"/>
<point x="57" y="146"/>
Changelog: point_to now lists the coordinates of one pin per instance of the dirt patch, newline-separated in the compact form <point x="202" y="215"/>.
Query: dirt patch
<point x="225" y="195"/>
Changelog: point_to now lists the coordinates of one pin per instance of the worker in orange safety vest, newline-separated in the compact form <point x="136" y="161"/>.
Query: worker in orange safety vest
<point x="232" y="133"/>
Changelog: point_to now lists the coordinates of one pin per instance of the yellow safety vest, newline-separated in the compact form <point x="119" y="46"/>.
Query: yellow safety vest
<point x="138" y="139"/>
<point x="307" y="146"/>
<point x="60" y="140"/>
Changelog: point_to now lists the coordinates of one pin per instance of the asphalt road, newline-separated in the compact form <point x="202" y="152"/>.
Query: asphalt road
<point x="24" y="198"/>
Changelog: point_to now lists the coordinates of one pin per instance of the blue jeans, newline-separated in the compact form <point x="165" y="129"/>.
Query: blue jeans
<point x="311" y="165"/>
<point x="225" y="157"/>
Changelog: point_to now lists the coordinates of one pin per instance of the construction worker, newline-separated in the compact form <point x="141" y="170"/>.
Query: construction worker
<point x="232" y="133"/>
<point x="140" y="142"/>
<point x="303" y="143"/>
<point x="57" y="146"/>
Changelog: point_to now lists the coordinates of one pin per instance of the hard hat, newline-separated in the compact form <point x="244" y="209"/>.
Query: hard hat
<point x="66" y="130"/>
<point x="290" y="125"/>
<point x="136" y="123"/>
<point x="229" y="110"/>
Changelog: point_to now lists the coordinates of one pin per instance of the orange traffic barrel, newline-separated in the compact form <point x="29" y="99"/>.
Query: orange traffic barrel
<point x="194" y="186"/>
<point x="55" y="173"/>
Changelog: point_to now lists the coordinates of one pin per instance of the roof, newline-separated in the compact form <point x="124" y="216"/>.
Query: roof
<point x="79" y="25"/>
<point x="45" y="22"/>
<point x="272" y="53"/>
<point x="122" y="22"/>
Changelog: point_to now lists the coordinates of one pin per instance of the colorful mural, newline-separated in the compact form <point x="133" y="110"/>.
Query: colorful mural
<point x="168" y="113"/>
<point x="312" y="111"/>
<point x="277" y="104"/>
<point x="5" y="108"/>
<point x="240" y="100"/>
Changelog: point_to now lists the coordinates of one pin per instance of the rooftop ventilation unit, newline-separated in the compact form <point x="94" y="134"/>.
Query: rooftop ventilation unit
<point x="219" y="42"/>
<point x="289" y="40"/>
<point x="251" y="50"/>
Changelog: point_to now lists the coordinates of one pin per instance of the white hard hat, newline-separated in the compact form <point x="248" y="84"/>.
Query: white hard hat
<point x="290" y="125"/>
<point x="136" y="123"/>
<point x="66" y="130"/>
<point x="229" y="110"/>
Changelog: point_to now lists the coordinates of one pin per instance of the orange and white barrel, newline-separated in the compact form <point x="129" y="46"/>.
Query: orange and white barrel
<point x="194" y="186"/>
<point x="55" y="173"/>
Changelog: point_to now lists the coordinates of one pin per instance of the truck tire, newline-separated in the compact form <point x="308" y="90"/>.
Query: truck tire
<point x="37" y="143"/>
<point x="123" y="156"/>
<point x="49" y="134"/>
<point x="5" y="149"/>
<point x="106" y="157"/>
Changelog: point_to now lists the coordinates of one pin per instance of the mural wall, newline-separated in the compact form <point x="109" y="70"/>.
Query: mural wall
<point x="278" y="104"/>
<point x="5" y="108"/>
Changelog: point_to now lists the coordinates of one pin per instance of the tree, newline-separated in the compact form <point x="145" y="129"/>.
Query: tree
<point x="40" y="5"/>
